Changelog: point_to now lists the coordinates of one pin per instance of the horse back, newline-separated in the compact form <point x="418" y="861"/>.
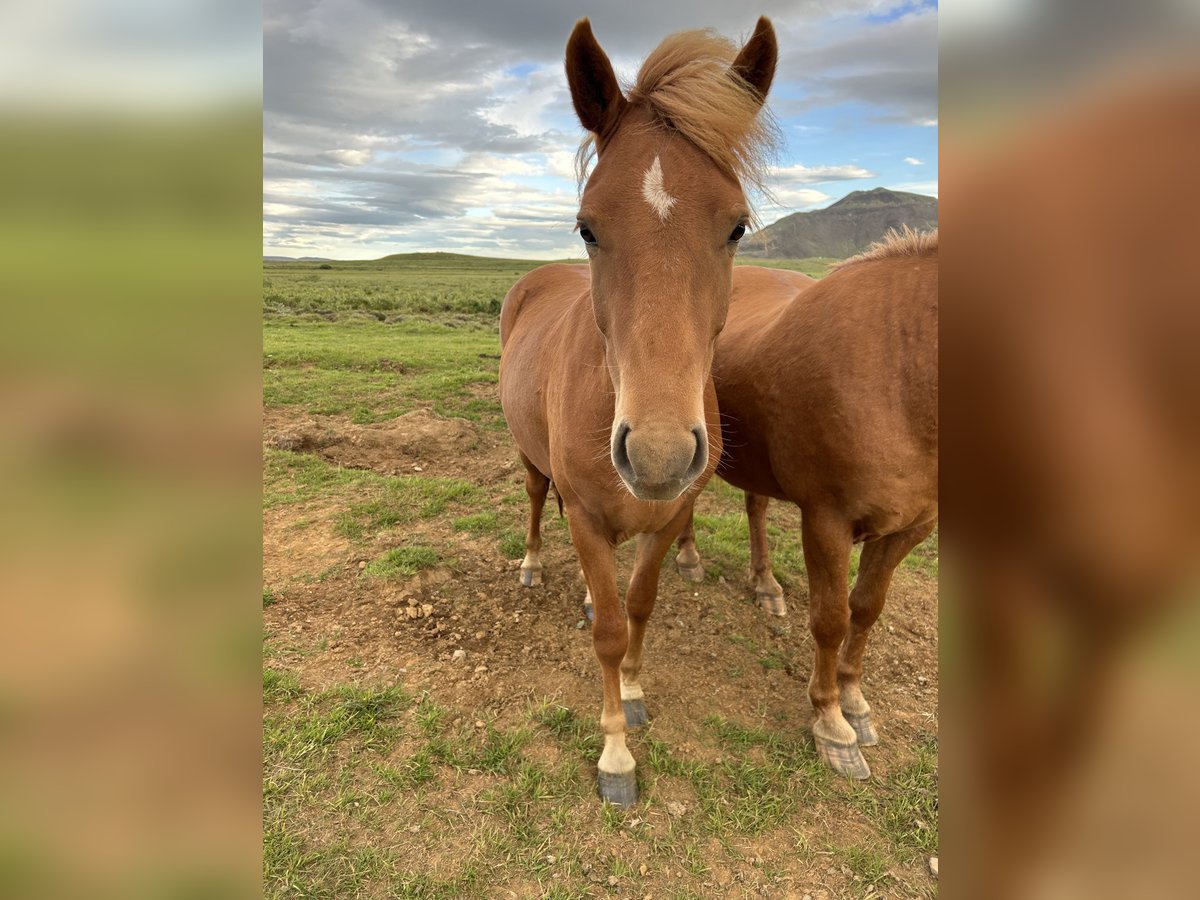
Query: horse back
<point x="830" y="391"/>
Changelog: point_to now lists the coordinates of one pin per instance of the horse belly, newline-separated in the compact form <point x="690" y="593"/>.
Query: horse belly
<point x="522" y="399"/>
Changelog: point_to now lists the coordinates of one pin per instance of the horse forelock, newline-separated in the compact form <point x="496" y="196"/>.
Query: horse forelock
<point x="688" y="87"/>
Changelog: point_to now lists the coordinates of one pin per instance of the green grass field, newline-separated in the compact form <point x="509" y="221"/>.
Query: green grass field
<point x="384" y="776"/>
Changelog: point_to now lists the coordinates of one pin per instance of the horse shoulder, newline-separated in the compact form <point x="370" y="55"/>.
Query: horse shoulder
<point x="555" y="279"/>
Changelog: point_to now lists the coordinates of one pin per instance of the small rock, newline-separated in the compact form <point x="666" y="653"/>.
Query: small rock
<point x="479" y="635"/>
<point x="580" y="624"/>
<point x="675" y="808"/>
<point x="415" y="829"/>
<point x="411" y="601"/>
<point x="411" y="612"/>
<point x="612" y="879"/>
<point x="427" y="609"/>
<point x="474" y="772"/>
<point x="479" y="723"/>
<point x="642" y="869"/>
<point x="933" y="866"/>
<point x="362" y="564"/>
<point x="418" y="469"/>
<point x="551" y="859"/>
<point x="479" y="669"/>
<point x="459" y="654"/>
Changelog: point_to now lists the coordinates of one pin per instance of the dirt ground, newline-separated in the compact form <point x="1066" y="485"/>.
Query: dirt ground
<point x="525" y="644"/>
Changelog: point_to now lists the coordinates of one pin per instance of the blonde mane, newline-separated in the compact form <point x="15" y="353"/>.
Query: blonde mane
<point x="686" y="82"/>
<point x="897" y="242"/>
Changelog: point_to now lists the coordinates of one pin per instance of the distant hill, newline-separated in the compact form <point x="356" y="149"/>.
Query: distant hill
<point x="296" y="259"/>
<point x="844" y="228"/>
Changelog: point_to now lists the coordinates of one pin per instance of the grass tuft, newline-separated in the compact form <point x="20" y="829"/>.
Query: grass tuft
<point x="402" y="561"/>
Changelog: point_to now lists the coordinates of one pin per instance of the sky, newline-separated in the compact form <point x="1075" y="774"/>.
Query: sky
<point x="394" y="126"/>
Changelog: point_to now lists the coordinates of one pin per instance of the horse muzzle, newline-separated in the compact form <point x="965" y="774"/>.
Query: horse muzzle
<point x="658" y="463"/>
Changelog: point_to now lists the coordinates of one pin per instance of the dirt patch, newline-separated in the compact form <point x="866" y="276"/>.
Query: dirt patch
<point x="420" y="441"/>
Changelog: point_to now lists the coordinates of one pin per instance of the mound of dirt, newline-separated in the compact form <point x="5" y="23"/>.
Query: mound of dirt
<point x="389" y="448"/>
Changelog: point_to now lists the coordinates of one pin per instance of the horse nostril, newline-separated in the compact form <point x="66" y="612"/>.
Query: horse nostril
<point x="700" y="458"/>
<point x="619" y="451"/>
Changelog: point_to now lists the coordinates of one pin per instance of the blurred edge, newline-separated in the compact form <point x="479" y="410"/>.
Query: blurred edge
<point x="1070" y="357"/>
<point x="130" y="142"/>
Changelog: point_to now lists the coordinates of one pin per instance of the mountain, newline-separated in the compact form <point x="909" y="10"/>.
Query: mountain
<point x="844" y="228"/>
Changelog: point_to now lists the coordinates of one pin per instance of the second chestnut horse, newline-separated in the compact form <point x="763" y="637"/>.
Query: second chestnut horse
<point x="829" y="398"/>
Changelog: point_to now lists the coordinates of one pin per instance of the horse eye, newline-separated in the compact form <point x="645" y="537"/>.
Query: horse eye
<point x="737" y="234"/>
<point x="586" y="234"/>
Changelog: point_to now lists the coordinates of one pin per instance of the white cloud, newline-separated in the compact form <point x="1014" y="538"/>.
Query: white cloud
<point x="348" y="157"/>
<point x="913" y="161"/>
<point x="799" y="174"/>
<point x="929" y="188"/>
<point x="792" y="199"/>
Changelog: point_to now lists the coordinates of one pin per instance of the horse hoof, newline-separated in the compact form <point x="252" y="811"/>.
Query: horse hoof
<point x="845" y="759"/>
<point x="861" y="723"/>
<point x="635" y="713"/>
<point x="619" y="789"/>
<point x="531" y="577"/>
<point x="589" y="613"/>
<point x="772" y="603"/>
<point x="694" y="574"/>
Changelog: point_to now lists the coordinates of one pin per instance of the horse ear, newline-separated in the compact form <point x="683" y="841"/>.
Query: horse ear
<point x="594" y="89"/>
<point x="755" y="64"/>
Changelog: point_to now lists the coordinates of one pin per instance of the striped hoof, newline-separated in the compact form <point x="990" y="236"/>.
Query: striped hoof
<point x="531" y="577"/>
<point x="619" y="789"/>
<point x="861" y="723"/>
<point x="635" y="713"/>
<point x="772" y="603"/>
<point x="845" y="759"/>
<point x="694" y="574"/>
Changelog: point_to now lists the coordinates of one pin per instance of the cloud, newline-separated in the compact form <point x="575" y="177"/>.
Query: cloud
<point x="890" y="65"/>
<point x="929" y="188"/>
<point x="799" y="174"/>
<point x="913" y="161"/>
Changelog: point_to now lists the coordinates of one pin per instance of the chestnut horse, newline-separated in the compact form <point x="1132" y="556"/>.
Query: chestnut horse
<point x="829" y="398"/>
<point x="605" y="368"/>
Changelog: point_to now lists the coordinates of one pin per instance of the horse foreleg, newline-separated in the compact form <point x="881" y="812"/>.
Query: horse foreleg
<point x="879" y="560"/>
<point x="767" y="592"/>
<point x="688" y="558"/>
<point x="639" y="604"/>
<point x="536" y="486"/>
<point x="616" y="780"/>
<point x="827" y="557"/>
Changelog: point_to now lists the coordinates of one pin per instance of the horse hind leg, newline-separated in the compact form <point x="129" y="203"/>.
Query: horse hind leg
<point x="767" y="592"/>
<point x="688" y="559"/>
<point x="536" y="486"/>
<point x="827" y="558"/>
<point x="879" y="561"/>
